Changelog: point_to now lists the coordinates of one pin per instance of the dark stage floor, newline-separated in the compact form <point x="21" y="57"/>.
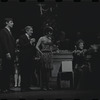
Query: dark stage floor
<point x="38" y="94"/>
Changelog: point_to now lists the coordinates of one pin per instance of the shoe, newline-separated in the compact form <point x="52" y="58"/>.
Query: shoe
<point x="44" y="89"/>
<point x="50" y="89"/>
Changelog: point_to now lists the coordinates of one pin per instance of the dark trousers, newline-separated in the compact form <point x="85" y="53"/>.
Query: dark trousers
<point x="7" y="71"/>
<point x="26" y="72"/>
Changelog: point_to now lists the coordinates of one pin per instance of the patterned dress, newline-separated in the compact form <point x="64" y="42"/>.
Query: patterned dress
<point x="47" y="54"/>
<point x="46" y="60"/>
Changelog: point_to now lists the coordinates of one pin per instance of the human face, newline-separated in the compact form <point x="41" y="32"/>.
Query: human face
<point x="10" y="23"/>
<point x="30" y="31"/>
<point x="81" y="45"/>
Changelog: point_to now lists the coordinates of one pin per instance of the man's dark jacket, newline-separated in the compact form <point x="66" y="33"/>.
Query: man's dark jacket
<point x="7" y="43"/>
<point x="26" y="49"/>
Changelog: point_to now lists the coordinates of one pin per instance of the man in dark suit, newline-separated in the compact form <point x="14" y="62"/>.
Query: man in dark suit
<point x="7" y="43"/>
<point x="26" y="57"/>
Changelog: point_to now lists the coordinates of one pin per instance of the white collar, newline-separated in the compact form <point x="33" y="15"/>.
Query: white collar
<point x="27" y="36"/>
<point x="8" y="29"/>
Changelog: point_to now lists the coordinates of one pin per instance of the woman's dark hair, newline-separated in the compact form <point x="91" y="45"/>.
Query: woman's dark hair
<point x="7" y="20"/>
<point x="48" y="29"/>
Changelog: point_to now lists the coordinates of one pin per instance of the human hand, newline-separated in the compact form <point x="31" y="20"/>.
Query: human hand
<point x="32" y="41"/>
<point x="94" y="47"/>
<point x="8" y="56"/>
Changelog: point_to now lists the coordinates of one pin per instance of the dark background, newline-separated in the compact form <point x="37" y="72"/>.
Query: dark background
<point x="71" y="17"/>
